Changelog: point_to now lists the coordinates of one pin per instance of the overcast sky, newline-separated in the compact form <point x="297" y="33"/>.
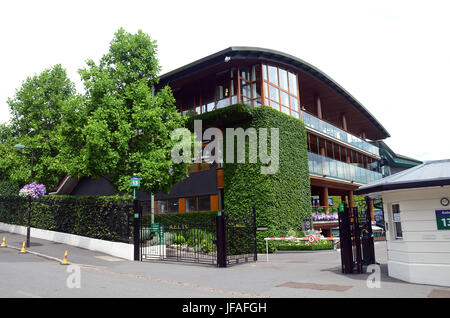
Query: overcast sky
<point x="392" y="56"/>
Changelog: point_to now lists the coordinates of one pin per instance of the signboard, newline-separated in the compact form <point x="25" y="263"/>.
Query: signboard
<point x="443" y="219"/>
<point x="135" y="182"/>
<point x="307" y="224"/>
<point x="341" y="207"/>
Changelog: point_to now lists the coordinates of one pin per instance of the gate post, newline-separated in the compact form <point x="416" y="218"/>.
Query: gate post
<point x="221" y="241"/>
<point x="255" y="257"/>
<point x="345" y="239"/>
<point x="367" y="239"/>
<point x="136" y="230"/>
<point x="357" y="239"/>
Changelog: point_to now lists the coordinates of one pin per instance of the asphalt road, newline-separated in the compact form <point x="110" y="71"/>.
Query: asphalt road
<point x="286" y="275"/>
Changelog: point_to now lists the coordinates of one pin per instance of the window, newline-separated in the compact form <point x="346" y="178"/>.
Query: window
<point x="250" y="85"/>
<point x="196" y="204"/>
<point x="191" y="204"/>
<point x="172" y="205"/>
<point x="167" y="206"/>
<point x="161" y="206"/>
<point x="204" y="204"/>
<point x="280" y="89"/>
<point x="398" y="234"/>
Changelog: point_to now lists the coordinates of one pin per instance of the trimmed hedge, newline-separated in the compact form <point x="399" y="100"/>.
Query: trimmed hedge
<point x="282" y="199"/>
<point x="302" y="246"/>
<point x="197" y="217"/>
<point x="106" y="218"/>
<point x="8" y="188"/>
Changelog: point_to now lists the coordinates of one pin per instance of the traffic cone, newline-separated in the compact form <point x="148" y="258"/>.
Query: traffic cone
<point x="3" y="242"/>
<point x="64" y="261"/>
<point x="23" y="250"/>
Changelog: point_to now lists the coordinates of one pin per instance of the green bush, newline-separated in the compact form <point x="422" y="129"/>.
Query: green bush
<point x="180" y="240"/>
<point x="8" y="188"/>
<point x="302" y="246"/>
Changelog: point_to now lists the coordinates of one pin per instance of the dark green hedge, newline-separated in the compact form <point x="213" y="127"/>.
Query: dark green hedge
<point x="301" y="246"/>
<point x="281" y="199"/>
<point x="8" y="188"/>
<point x="106" y="218"/>
<point x="191" y="218"/>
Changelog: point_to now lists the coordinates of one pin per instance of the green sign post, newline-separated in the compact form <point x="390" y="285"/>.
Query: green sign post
<point x="443" y="219"/>
<point x="135" y="182"/>
<point x="341" y="207"/>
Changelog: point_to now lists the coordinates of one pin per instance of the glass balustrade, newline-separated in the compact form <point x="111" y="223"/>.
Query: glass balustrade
<point x="324" y="166"/>
<point x="337" y="133"/>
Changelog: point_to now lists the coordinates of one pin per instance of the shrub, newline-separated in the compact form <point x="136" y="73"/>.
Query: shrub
<point x="180" y="240"/>
<point x="106" y="218"/>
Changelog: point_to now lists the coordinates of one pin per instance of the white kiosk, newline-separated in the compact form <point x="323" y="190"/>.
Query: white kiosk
<point x="417" y="214"/>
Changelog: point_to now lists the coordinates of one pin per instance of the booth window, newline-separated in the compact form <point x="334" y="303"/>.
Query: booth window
<point x="398" y="234"/>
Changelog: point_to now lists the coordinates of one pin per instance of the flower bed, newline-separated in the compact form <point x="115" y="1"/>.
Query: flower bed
<point x="325" y="217"/>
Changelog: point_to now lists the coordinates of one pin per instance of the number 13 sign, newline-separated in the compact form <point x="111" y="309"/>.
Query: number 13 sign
<point x="443" y="219"/>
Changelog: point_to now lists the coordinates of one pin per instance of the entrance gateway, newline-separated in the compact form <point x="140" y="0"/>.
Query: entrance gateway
<point x="356" y="238"/>
<point x="218" y="240"/>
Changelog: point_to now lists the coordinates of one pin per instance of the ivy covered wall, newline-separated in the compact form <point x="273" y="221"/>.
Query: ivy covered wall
<point x="282" y="199"/>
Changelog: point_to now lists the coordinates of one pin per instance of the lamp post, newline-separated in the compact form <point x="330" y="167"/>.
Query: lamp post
<point x="21" y="147"/>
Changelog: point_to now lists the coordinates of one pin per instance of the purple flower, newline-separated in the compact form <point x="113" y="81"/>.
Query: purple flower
<point x="33" y="190"/>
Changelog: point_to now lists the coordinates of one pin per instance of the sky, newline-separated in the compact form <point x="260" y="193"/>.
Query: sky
<point x="392" y="56"/>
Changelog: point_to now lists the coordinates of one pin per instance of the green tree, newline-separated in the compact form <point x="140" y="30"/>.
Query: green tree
<point x="35" y="115"/>
<point x="121" y="126"/>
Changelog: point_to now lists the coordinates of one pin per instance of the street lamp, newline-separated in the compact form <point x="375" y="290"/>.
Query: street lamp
<point x="21" y="147"/>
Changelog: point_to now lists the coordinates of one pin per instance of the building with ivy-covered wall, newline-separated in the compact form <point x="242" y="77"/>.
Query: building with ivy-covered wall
<point x="326" y="135"/>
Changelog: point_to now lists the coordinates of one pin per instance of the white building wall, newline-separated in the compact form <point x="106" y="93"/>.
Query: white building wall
<point x="423" y="255"/>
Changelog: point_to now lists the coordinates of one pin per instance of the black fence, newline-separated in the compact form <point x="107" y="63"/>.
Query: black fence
<point x="182" y="240"/>
<point x="104" y="219"/>
<point x="356" y="239"/>
<point x="217" y="240"/>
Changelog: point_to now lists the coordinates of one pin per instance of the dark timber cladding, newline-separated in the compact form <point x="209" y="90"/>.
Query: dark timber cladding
<point x="323" y="83"/>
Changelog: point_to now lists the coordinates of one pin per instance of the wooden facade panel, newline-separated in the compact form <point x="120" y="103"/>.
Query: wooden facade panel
<point x="214" y="199"/>
<point x="220" y="178"/>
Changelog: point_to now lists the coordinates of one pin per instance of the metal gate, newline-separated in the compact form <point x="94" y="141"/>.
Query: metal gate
<point x="216" y="240"/>
<point x="241" y="237"/>
<point x="356" y="238"/>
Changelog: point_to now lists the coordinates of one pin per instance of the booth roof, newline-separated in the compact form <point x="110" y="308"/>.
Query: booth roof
<point x="428" y="174"/>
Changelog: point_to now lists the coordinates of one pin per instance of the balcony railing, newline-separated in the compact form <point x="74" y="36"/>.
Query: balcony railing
<point x="324" y="166"/>
<point x="337" y="133"/>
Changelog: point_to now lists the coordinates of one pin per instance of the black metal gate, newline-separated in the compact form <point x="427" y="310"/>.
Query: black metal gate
<point x="217" y="240"/>
<point x="356" y="238"/>
<point x="241" y="237"/>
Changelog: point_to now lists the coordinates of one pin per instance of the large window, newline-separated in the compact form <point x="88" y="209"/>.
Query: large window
<point x="280" y="90"/>
<point x="398" y="234"/>
<point x="250" y="85"/>
<point x="167" y="206"/>
<point x="196" y="204"/>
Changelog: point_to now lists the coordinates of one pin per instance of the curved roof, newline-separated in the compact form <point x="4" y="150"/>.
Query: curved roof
<point x="243" y="52"/>
<point x="428" y="174"/>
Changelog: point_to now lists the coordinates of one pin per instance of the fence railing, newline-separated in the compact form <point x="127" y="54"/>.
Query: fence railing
<point x="337" y="133"/>
<point x="324" y="166"/>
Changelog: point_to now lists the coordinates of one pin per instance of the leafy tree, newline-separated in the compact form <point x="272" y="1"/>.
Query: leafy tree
<point x="35" y="115"/>
<point x="121" y="126"/>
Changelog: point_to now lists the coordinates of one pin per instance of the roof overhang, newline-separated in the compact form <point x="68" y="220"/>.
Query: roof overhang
<point x="403" y="185"/>
<point x="241" y="52"/>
